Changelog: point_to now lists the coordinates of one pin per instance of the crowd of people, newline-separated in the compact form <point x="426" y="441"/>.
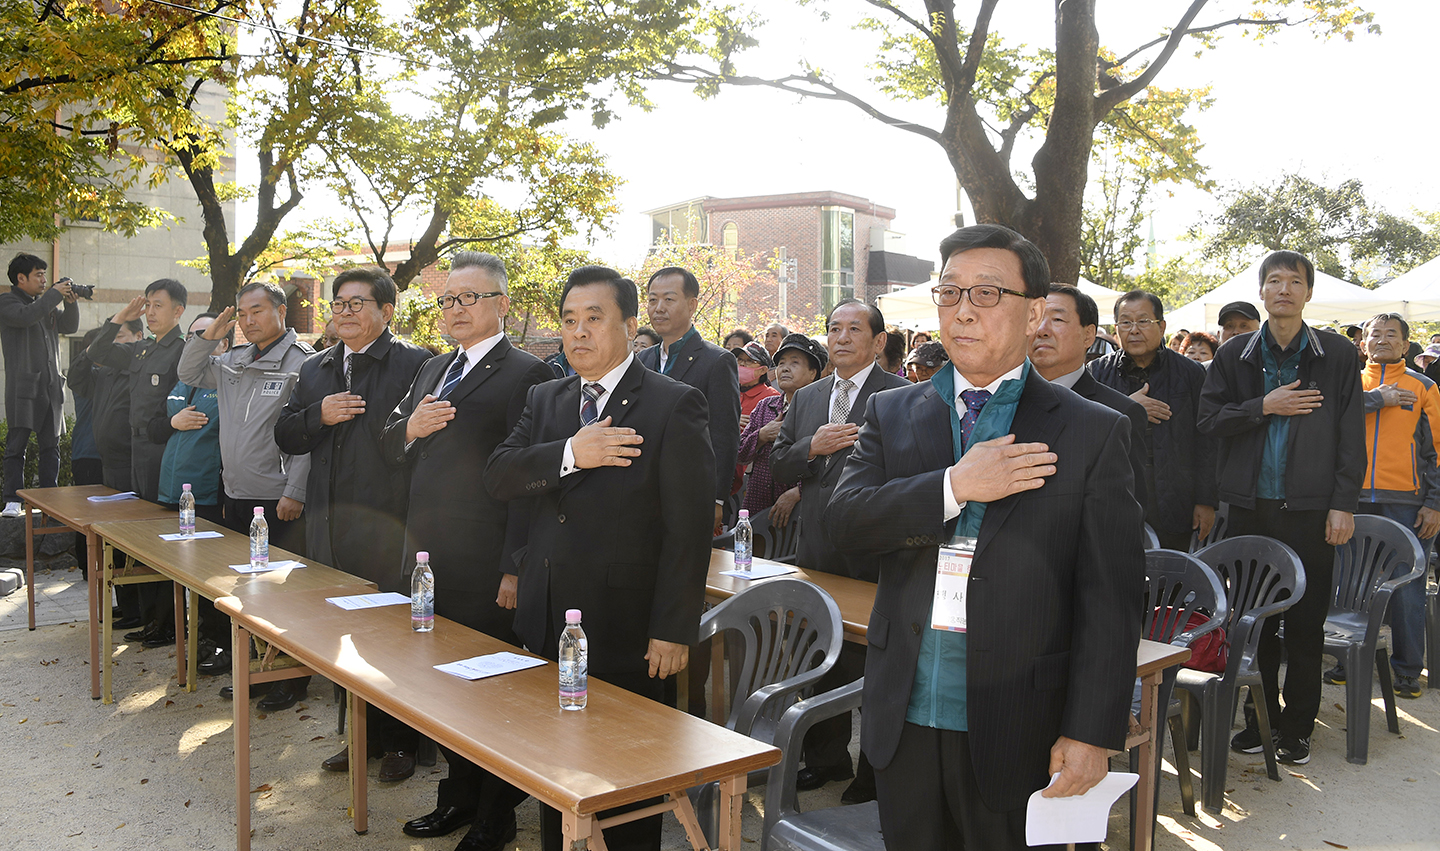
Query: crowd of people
<point x="1022" y="448"/>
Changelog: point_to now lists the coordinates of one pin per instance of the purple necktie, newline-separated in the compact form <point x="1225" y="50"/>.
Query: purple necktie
<point x="974" y="400"/>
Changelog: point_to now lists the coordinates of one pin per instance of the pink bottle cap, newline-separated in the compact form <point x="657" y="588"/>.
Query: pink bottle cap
<point x="572" y="615"/>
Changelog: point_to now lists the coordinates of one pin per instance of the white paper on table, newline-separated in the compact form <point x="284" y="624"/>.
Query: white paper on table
<point x="176" y="536"/>
<point x="479" y="667"/>
<point x="274" y="565"/>
<point x="1078" y="818"/>
<point x="114" y="497"/>
<point x="760" y="571"/>
<point x="369" y="601"/>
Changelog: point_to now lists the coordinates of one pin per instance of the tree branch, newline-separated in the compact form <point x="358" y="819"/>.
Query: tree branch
<point x="1279" y="22"/>
<point x="693" y="74"/>
<point x="975" y="51"/>
<point x="916" y="24"/>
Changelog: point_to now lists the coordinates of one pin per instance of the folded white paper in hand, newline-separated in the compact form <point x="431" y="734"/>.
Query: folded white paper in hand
<point x="1078" y="818"/>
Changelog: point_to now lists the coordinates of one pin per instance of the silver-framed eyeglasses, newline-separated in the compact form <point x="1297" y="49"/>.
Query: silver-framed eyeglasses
<point x="349" y="305"/>
<point x="463" y="299"/>
<point x="1129" y="325"/>
<point x="984" y="295"/>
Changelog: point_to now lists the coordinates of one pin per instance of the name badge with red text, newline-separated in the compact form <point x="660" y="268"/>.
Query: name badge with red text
<point x="952" y="581"/>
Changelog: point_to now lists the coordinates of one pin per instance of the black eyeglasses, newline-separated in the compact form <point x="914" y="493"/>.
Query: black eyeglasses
<point x="463" y="299"/>
<point x="984" y="295"/>
<point x="349" y="305"/>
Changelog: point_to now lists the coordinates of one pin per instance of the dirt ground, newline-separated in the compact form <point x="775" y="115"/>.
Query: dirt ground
<point x="155" y="769"/>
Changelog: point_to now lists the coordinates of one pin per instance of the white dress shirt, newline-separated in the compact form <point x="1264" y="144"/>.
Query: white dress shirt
<point x="607" y="382"/>
<point x="1069" y="379"/>
<point x="473" y="354"/>
<point x="953" y="508"/>
<point x="859" y="378"/>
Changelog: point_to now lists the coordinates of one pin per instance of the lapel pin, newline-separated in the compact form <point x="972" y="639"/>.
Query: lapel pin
<point x="624" y="401"/>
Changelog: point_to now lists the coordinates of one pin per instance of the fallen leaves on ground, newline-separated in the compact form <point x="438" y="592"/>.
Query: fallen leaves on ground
<point x="263" y="787"/>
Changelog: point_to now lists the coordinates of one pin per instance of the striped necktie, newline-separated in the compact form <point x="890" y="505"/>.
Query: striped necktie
<point x="453" y="375"/>
<point x="590" y="411"/>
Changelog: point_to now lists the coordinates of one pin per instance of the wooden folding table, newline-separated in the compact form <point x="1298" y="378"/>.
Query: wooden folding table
<point x="620" y="749"/>
<point x="73" y="510"/>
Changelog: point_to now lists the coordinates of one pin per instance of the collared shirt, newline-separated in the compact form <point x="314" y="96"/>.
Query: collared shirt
<point x="938" y="696"/>
<point x="1280" y="366"/>
<point x="961" y="384"/>
<point x="608" y="382"/>
<point x="668" y="352"/>
<point x="1069" y="379"/>
<point x="473" y="354"/>
<point x="345" y="353"/>
<point x="261" y="352"/>
<point x="859" y="378"/>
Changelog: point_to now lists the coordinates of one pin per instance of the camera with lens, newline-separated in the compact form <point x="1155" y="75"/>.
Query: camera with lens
<point x="85" y="291"/>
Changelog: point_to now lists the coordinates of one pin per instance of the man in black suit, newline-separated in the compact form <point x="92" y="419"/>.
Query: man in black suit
<point x="1027" y="488"/>
<point x="355" y="502"/>
<point x="672" y="295"/>
<point x="1059" y="354"/>
<point x="817" y="437"/>
<point x="460" y="408"/>
<point x="618" y="461"/>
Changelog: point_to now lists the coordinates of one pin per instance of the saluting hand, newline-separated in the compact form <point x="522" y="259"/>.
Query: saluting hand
<point x="429" y="417"/>
<point x="220" y="328"/>
<point x="341" y="408"/>
<point x="134" y="310"/>
<point x="994" y="469"/>
<point x="600" y="445"/>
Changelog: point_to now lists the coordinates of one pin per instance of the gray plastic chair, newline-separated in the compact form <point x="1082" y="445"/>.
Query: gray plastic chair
<point x="1217" y="532"/>
<point x="1177" y="586"/>
<point x="1262" y="578"/>
<point x="1380" y="557"/>
<point x="770" y="543"/>
<point x="791" y="634"/>
<point x="1152" y="540"/>
<point x="844" y="828"/>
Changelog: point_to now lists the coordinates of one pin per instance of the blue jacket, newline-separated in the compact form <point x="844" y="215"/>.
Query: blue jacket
<point x="191" y="457"/>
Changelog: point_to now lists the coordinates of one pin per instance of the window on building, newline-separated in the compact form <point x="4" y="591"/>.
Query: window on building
<point x="678" y="224"/>
<point x="732" y="240"/>
<point x="837" y="256"/>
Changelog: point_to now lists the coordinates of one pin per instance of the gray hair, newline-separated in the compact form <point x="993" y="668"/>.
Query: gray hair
<point x="482" y="260"/>
<point x="276" y="295"/>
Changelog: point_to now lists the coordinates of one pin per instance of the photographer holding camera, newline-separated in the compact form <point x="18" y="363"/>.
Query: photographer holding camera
<point x="31" y="322"/>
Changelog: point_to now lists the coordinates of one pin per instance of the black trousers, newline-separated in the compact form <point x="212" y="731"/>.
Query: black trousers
<point x="930" y="798"/>
<point x="236" y="515"/>
<point x="213" y="625"/>
<point x="827" y="744"/>
<point x="16" y="441"/>
<point x="1304" y="532"/>
<point x="126" y="596"/>
<point x="640" y="835"/>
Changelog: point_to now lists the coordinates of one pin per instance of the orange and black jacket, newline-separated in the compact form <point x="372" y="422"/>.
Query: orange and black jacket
<point x="1400" y="439"/>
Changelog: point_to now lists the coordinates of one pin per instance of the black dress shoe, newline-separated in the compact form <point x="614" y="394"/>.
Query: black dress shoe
<point x="217" y="663"/>
<point x="159" y="639"/>
<point x="127" y="623"/>
<point x="856" y="793"/>
<point x="489" y="835"/>
<point x="117" y="612"/>
<point x="341" y="762"/>
<point x="396" y="766"/>
<point x="809" y="779"/>
<point x="256" y="689"/>
<point x="286" y="694"/>
<point x="442" y="821"/>
<point x="141" y="634"/>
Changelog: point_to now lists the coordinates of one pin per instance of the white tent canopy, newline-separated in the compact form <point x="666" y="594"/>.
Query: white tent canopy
<point x="914" y="308"/>
<point x="1334" y="301"/>
<point x="1419" y="290"/>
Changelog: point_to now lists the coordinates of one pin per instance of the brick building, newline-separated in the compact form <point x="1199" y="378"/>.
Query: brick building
<point x="828" y="246"/>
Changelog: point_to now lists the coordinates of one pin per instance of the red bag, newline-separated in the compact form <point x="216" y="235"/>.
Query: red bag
<point x="1210" y="652"/>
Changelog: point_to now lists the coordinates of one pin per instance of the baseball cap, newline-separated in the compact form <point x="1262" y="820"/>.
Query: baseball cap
<point x="806" y="346"/>
<point x="1244" y="308"/>
<point x="755" y="350"/>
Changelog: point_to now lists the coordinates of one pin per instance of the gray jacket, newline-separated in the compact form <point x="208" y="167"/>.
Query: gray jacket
<point x="30" y="330"/>
<point x="252" y="394"/>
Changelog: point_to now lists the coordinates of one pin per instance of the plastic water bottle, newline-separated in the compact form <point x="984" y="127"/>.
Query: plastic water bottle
<point x="574" y="663"/>
<point x="187" y="512"/>
<point x="744" y="542"/>
<point x="259" y="541"/>
<point x="422" y="595"/>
